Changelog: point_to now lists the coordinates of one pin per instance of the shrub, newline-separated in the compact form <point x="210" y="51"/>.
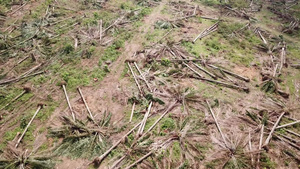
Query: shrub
<point x="68" y="48"/>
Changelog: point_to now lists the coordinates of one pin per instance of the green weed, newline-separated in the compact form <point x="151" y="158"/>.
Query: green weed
<point x="176" y="153"/>
<point x="266" y="161"/>
<point x="210" y="2"/>
<point x="167" y="124"/>
<point x="112" y="52"/>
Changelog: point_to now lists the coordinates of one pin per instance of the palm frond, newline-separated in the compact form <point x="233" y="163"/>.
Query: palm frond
<point x="81" y="139"/>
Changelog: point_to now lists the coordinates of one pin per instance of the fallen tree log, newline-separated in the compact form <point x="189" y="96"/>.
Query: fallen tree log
<point x="19" y="78"/>
<point x="31" y="70"/>
<point x="289" y="131"/>
<point x="100" y="31"/>
<point x="99" y="159"/>
<point x="140" y="160"/>
<point x="143" y="77"/>
<point x="273" y="129"/>
<point x="40" y="106"/>
<point x="163" y="115"/>
<point x="151" y="152"/>
<point x="132" y="111"/>
<point x="282" y="58"/>
<point x="86" y="105"/>
<point x="205" y="71"/>
<point x="62" y="7"/>
<point x="250" y="147"/>
<point x="68" y="101"/>
<point x="217" y="124"/>
<point x="163" y="36"/>
<point x="262" y="37"/>
<point x="142" y="126"/>
<point x="206" y="31"/>
<point x="289" y="124"/>
<point x="206" y="17"/>
<point x="135" y="79"/>
<point x="18" y="9"/>
<point x="296" y="66"/>
<point x="230" y="73"/>
<point x="113" y="24"/>
<point x="193" y="70"/>
<point x="115" y="164"/>
<point x="157" y="121"/>
<point x="245" y="89"/>
<point x="19" y="62"/>
<point x="260" y="143"/>
<point x="180" y="60"/>
<point x="25" y="90"/>
<point x="287" y="141"/>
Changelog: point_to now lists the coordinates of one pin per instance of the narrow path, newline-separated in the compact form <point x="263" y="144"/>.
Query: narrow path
<point x="136" y="43"/>
<point x="112" y="92"/>
<point x="111" y="85"/>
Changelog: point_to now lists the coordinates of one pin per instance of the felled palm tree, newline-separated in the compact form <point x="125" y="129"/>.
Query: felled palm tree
<point x="170" y="49"/>
<point x="185" y="134"/>
<point x="185" y="96"/>
<point x="15" y="158"/>
<point x="81" y="139"/>
<point x="270" y="85"/>
<point x="233" y="154"/>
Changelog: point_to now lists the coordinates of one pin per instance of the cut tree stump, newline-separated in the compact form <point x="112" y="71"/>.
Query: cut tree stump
<point x="98" y="160"/>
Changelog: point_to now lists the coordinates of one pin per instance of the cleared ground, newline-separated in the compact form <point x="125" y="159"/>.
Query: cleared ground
<point x="150" y="84"/>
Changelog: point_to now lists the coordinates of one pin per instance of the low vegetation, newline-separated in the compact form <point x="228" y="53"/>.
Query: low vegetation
<point x="149" y="84"/>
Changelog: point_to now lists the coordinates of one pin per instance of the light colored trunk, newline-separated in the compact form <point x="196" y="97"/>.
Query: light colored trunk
<point x="25" y="130"/>
<point x="68" y="101"/>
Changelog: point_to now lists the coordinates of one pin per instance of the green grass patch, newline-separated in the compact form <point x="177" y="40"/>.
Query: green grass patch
<point x="112" y="52"/>
<point x="293" y="51"/>
<point x="75" y="77"/>
<point x="176" y="152"/>
<point x="210" y="2"/>
<point x="7" y="94"/>
<point x="46" y="112"/>
<point x="266" y="161"/>
<point x="290" y="78"/>
<point x="166" y="125"/>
